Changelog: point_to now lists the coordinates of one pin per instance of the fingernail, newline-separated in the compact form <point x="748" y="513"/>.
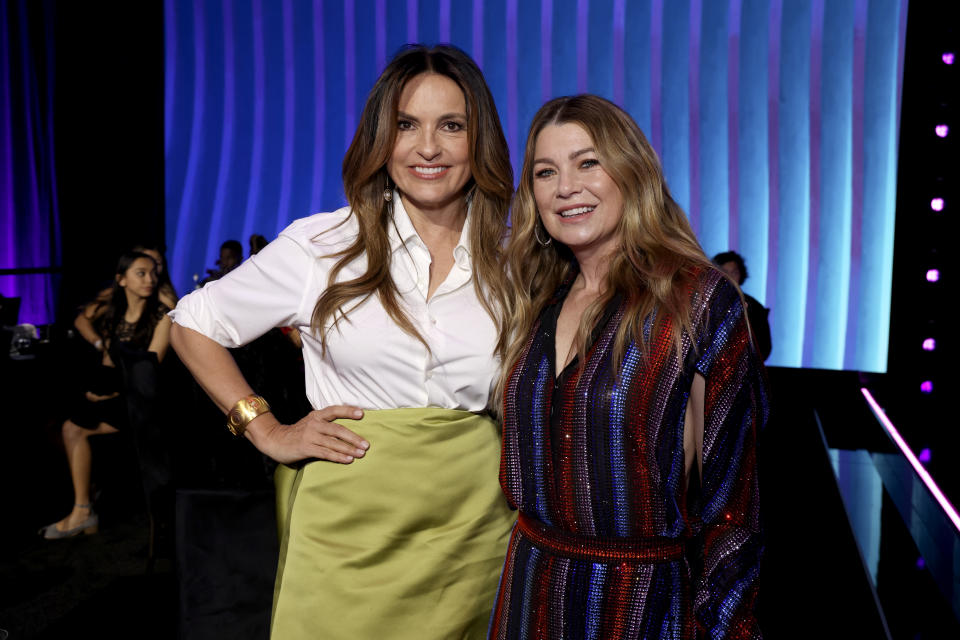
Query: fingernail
<point x="349" y="458"/>
<point x="365" y="444"/>
<point x="358" y="414"/>
<point x="360" y="453"/>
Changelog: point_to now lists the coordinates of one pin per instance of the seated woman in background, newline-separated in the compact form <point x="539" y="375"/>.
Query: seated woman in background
<point x="132" y="316"/>
<point x="165" y="293"/>
<point x="632" y="401"/>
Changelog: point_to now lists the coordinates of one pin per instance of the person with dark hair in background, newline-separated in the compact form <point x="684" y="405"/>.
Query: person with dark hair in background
<point x="131" y="317"/>
<point x="632" y="401"/>
<point x="165" y="291"/>
<point x="257" y="242"/>
<point x="392" y="522"/>
<point x="732" y="264"/>
<point x="231" y="255"/>
<point x="166" y="294"/>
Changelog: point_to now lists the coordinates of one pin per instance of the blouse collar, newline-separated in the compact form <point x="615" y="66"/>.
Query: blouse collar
<point x="404" y="233"/>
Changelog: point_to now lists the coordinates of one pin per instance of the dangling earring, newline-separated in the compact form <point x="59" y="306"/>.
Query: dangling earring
<point x="388" y="194"/>
<point x="536" y="234"/>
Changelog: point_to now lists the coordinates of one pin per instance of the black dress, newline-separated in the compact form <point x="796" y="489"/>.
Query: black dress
<point x="107" y="380"/>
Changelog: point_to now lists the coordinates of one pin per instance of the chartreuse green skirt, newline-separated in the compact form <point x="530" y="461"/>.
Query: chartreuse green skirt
<point x="406" y="542"/>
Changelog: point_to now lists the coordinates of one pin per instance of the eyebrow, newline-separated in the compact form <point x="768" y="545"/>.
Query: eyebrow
<point x="573" y="155"/>
<point x="445" y="116"/>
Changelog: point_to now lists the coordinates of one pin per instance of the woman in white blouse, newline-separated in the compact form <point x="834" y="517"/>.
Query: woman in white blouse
<point x="391" y="517"/>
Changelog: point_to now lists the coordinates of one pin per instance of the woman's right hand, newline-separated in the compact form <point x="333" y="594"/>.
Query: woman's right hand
<point x="313" y="436"/>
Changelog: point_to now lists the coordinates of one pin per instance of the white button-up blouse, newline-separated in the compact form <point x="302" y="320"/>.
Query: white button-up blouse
<point x="370" y="362"/>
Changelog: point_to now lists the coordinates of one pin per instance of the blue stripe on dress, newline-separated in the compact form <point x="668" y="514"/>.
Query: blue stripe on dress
<point x="598" y="580"/>
<point x="621" y="506"/>
<point x="539" y="437"/>
<point x="530" y="574"/>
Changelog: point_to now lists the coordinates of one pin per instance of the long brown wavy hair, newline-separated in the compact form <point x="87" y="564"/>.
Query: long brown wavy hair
<point x="365" y="179"/>
<point x="658" y="257"/>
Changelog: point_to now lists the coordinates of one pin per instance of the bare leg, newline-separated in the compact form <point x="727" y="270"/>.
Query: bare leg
<point x="77" y="444"/>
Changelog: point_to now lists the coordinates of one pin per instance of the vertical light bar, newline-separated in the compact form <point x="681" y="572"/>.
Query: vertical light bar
<point x="656" y="77"/>
<point x="182" y="244"/>
<point x="444" y="21"/>
<point x="637" y="67"/>
<point x="697" y="160"/>
<point x="831" y="266"/>
<point x="412" y="22"/>
<point x="753" y="143"/>
<point x="912" y="459"/>
<point x="289" y="122"/>
<point x="350" y="72"/>
<point x="583" y="20"/>
<point x="810" y="295"/>
<point x="733" y="138"/>
<point x="773" y="160"/>
<point x="879" y="185"/>
<point x="259" y="120"/>
<point x="226" y="137"/>
<point x="793" y="152"/>
<point x="600" y="62"/>
<point x="8" y="205"/>
<point x="512" y="125"/>
<point x="619" y="24"/>
<point x="530" y="66"/>
<point x="675" y="107"/>
<point x="856" y="216"/>
<point x="320" y="105"/>
<point x="710" y="199"/>
<point x="477" y="51"/>
<point x="546" y="53"/>
<point x="380" y="28"/>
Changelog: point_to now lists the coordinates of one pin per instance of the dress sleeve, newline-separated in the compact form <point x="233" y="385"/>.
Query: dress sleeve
<point x="735" y="410"/>
<point x="264" y="292"/>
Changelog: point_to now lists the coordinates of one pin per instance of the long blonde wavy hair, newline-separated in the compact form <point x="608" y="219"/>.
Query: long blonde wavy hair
<point x="365" y="179"/>
<point x="658" y="257"/>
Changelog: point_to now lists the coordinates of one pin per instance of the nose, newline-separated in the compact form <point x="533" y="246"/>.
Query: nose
<point x="567" y="184"/>
<point x="428" y="146"/>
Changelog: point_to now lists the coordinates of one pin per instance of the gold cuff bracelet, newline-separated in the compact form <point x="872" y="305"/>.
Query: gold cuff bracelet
<point x="245" y="410"/>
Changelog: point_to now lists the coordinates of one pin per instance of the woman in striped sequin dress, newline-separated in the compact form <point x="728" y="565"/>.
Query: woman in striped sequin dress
<point x="632" y="401"/>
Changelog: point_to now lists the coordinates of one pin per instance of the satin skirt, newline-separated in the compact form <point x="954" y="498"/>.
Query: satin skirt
<point x="406" y="542"/>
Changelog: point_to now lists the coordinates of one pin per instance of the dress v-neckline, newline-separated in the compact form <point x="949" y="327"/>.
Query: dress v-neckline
<point x="553" y="315"/>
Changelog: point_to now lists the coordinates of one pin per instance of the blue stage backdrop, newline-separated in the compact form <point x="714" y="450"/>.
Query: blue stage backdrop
<point x="776" y="121"/>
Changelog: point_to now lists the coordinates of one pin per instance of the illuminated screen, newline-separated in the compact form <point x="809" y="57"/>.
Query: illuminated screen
<point x="776" y="121"/>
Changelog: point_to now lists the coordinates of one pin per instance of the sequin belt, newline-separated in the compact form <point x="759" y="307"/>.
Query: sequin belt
<point x="594" y="549"/>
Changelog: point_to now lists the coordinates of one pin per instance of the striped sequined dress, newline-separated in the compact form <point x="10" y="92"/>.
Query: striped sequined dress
<point x="611" y="542"/>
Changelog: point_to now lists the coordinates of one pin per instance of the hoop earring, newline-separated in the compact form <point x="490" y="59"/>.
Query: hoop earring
<point x="536" y="234"/>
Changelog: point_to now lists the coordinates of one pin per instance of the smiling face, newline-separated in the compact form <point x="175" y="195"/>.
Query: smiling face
<point x="430" y="163"/>
<point x="579" y="203"/>
<point x="140" y="278"/>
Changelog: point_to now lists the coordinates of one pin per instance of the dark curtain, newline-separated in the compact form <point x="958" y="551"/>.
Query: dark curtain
<point x="29" y="226"/>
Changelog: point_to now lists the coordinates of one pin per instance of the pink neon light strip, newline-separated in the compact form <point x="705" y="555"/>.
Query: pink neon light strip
<point x="905" y="448"/>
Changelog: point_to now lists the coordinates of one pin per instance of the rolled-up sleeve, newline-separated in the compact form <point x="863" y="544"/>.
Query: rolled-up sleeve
<point x="266" y="291"/>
